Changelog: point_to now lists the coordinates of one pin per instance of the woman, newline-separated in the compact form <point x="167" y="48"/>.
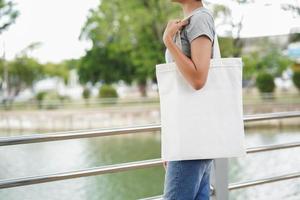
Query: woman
<point x="190" y="179"/>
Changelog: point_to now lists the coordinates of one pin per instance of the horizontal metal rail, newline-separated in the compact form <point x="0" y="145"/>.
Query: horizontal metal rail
<point x="234" y="186"/>
<point x="37" y="138"/>
<point x="80" y="173"/>
<point x="272" y="147"/>
<point x="67" y="135"/>
<point x="117" y="168"/>
<point x="271" y="116"/>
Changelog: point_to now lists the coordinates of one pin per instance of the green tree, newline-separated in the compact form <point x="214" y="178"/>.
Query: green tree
<point x="268" y="58"/>
<point x="100" y="65"/>
<point x="265" y="84"/>
<point x="19" y="73"/>
<point x="251" y="61"/>
<point x="294" y="37"/>
<point x="296" y="79"/>
<point x="126" y="41"/>
<point x="40" y="96"/>
<point x="8" y="14"/>
<point x="56" y="70"/>
<point x="227" y="47"/>
<point x="274" y="62"/>
<point x="23" y="71"/>
<point x="86" y="94"/>
<point x="108" y="91"/>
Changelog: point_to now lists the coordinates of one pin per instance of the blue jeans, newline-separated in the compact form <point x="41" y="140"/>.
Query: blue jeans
<point x="187" y="180"/>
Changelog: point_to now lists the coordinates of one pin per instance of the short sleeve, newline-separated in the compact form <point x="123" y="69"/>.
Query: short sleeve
<point x="201" y="23"/>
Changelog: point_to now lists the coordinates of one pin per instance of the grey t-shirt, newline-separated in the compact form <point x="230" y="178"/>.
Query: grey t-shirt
<point x="201" y="23"/>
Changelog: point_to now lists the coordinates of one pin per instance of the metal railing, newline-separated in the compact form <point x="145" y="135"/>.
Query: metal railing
<point x="67" y="135"/>
<point x="235" y="186"/>
<point x="219" y="191"/>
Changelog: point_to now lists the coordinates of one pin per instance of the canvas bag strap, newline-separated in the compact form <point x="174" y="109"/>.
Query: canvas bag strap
<point x="216" y="48"/>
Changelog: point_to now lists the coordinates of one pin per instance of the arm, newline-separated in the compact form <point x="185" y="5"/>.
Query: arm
<point x="200" y="36"/>
<point x="195" y="70"/>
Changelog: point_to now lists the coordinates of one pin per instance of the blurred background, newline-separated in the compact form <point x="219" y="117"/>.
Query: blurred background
<point x="85" y="64"/>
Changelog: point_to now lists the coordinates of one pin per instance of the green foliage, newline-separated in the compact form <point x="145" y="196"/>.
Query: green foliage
<point x="274" y="62"/>
<point x="63" y="98"/>
<point x="98" y="65"/>
<point x="56" y="70"/>
<point x="230" y="47"/>
<point x="23" y="71"/>
<point x="40" y="95"/>
<point x="126" y="40"/>
<point x="48" y="96"/>
<point x="8" y="14"/>
<point x="71" y="63"/>
<point x="61" y="69"/>
<point x="296" y="79"/>
<point x="53" y="99"/>
<point x="86" y="93"/>
<point x="265" y="82"/>
<point x="251" y="62"/>
<point x="268" y="59"/>
<point x="226" y="46"/>
<point x="107" y="91"/>
<point x="294" y="37"/>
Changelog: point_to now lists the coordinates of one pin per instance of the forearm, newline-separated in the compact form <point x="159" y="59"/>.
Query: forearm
<point x="184" y="63"/>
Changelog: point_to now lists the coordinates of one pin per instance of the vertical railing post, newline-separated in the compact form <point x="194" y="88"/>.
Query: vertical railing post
<point x="219" y="179"/>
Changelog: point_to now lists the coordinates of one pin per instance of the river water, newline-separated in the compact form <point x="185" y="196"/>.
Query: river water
<point x="44" y="158"/>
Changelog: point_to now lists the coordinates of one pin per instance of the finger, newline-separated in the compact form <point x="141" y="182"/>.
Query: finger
<point x="183" y="23"/>
<point x="175" y="21"/>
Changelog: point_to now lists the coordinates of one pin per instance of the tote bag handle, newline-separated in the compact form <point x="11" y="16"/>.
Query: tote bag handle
<point x="216" y="48"/>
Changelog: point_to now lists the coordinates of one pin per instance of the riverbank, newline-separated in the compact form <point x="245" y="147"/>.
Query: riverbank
<point x="76" y="119"/>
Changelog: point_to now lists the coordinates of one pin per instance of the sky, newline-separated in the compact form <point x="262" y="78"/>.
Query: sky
<point x="56" y="24"/>
<point x="262" y="18"/>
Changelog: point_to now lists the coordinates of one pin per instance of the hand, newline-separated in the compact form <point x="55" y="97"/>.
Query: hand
<point x="165" y="164"/>
<point x="172" y="27"/>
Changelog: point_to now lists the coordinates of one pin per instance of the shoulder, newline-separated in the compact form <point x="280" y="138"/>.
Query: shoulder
<point x="201" y="23"/>
<point x="202" y="16"/>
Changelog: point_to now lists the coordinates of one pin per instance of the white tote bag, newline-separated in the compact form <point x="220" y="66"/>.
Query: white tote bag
<point x="205" y="123"/>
